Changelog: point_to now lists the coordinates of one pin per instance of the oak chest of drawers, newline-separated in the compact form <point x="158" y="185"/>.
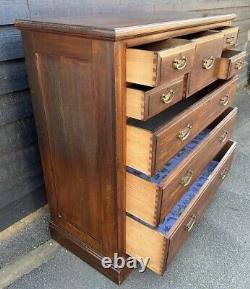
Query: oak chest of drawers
<point x="134" y="117"/>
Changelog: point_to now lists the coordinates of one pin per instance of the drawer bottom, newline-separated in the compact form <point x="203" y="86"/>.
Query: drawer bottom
<point x="162" y="244"/>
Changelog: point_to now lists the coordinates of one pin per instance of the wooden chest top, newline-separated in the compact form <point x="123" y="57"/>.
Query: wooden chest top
<point x="118" y="27"/>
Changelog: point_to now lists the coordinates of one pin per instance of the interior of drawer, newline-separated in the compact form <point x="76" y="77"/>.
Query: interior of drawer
<point x="163" y="45"/>
<point x="199" y="35"/>
<point x="165" y="226"/>
<point x="230" y="53"/>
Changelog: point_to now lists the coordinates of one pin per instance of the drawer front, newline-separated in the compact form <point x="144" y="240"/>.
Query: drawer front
<point x="187" y="221"/>
<point x="159" y="62"/>
<point x="143" y="104"/>
<point x="206" y="62"/>
<point x="165" y="96"/>
<point x="175" y="64"/>
<point x="231" y="63"/>
<point x="183" y="177"/>
<point x="237" y="64"/>
<point x="178" y="133"/>
<point x="230" y="37"/>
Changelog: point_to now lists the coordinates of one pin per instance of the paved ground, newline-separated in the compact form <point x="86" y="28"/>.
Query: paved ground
<point x="19" y="242"/>
<point x="216" y="256"/>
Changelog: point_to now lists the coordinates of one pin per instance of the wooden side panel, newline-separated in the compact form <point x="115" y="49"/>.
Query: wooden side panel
<point x="74" y="105"/>
<point x="141" y="66"/>
<point x="139" y="149"/>
<point x="135" y="103"/>
<point x="143" y="242"/>
<point x="142" y="199"/>
<point x="73" y="144"/>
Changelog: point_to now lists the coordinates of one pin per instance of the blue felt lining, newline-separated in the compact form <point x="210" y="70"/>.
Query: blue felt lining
<point x="172" y="217"/>
<point x="172" y="164"/>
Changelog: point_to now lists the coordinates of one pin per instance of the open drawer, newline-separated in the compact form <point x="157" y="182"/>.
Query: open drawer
<point x="231" y="63"/>
<point x="152" y="198"/>
<point x="162" y="244"/>
<point x="143" y="103"/>
<point x="155" y="63"/>
<point x="209" y="45"/>
<point x="152" y="143"/>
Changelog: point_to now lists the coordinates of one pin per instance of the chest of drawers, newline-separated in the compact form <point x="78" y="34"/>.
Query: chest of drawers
<point x="134" y="118"/>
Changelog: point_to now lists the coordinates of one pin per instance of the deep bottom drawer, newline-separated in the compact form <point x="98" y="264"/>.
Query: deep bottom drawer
<point x="163" y="243"/>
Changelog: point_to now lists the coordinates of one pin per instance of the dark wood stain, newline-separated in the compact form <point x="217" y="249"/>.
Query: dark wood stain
<point x="78" y="86"/>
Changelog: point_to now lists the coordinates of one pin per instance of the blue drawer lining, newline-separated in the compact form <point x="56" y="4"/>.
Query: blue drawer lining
<point x="175" y="213"/>
<point x="172" y="164"/>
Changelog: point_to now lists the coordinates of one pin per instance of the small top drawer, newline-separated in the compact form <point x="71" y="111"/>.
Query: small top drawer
<point x="155" y="63"/>
<point x="208" y="50"/>
<point x="230" y="36"/>
<point x="143" y="103"/>
<point x="151" y="198"/>
<point x="231" y="63"/>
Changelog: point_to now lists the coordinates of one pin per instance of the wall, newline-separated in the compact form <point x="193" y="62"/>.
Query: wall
<point x="21" y="183"/>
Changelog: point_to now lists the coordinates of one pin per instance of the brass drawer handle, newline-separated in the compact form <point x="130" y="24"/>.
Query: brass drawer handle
<point x="208" y="63"/>
<point x="238" y="65"/>
<point x="224" y="100"/>
<point x="184" y="133"/>
<point x="191" y="223"/>
<point x="185" y="180"/>
<point x="230" y="39"/>
<point x="168" y="96"/>
<point x="224" y="173"/>
<point x="223" y="136"/>
<point x="180" y="63"/>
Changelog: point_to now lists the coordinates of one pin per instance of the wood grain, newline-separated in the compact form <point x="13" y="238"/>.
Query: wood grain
<point x="151" y="202"/>
<point x="118" y="27"/>
<point x="152" y="143"/>
<point x="231" y="63"/>
<point x="139" y="149"/>
<point x="142" y="199"/>
<point x="163" y="248"/>
<point x="154" y="244"/>
<point x="152" y="64"/>
<point x="178" y="234"/>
